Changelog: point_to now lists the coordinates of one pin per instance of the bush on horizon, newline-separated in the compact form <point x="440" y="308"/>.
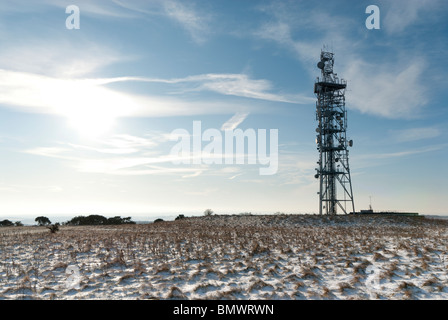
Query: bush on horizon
<point x="96" y="220"/>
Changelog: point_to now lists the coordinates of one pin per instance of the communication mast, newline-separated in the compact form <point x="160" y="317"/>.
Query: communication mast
<point x="333" y="171"/>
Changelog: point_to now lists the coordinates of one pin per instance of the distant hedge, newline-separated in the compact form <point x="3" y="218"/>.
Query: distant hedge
<point x="6" y="223"/>
<point x="98" y="220"/>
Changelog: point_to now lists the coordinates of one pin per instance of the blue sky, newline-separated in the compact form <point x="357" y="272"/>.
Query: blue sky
<point x="86" y="114"/>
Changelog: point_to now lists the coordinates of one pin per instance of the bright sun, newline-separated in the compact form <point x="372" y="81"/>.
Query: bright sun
<point x="93" y="110"/>
<point x="91" y="125"/>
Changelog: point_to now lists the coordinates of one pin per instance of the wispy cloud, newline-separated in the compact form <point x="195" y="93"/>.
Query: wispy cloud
<point x="194" y="19"/>
<point x="127" y="155"/>
<point x="60" y="59"/>
<point x="370" y="158"/>
<point x="91" y="98"/>
<point x="105" y="8"/>
<point x="235" y="176"/>
<point x="43" y="94"/>
<point x="240" y="85"/>
<point x="197" y="24"/>
<point x="234" y="122"/>
<point x="122" y="144"/>
<point x="301" y="29"/>
<point x="415" y="134"/>
<point x="116" y="155"/>
<point x="400" y="15"/>
<point x="387" y="90"/>
<point x="373" y="86"/>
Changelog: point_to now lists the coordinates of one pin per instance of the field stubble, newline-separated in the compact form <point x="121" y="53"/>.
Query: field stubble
<point x="231" y="257"/>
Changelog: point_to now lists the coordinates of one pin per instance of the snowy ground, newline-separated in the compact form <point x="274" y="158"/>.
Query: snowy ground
<point x="230" y="257"/>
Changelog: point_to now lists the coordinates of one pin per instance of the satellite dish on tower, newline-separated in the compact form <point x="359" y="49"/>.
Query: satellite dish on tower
<point x="320" y="64"/>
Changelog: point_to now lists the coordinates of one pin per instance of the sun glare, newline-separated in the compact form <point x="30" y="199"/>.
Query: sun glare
<point x="93" y="110"/>
<point x="91" y="126"/>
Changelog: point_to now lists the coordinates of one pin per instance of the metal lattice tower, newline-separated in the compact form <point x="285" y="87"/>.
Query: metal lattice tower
<point x="333" y="171"/>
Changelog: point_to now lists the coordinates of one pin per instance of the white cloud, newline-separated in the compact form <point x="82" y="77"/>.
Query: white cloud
<point x="195" y="21"/>
<point x="129" y="156"/>
<point x="71" y="98"/>
<point x="234" y="122"/>
<point x="386" y="90"/>
<point x="57" y="59"/>
<point x="415" y="134"/>
<point x="188" y="17"/>
<point x="126" y="155"/>
<point x="401" y="14"/>
<point x="277" y="31"/>
<point x="55" y="77"/>
<point x="122" y="144"/>
<point x="303" y="30"/>
<point x="239" y="85"/>
<point x="84" y="99"/>
<point x="196" y="173"/>
<point x="52" y="152"/>
<point x="369" y="159"/>
<point x="391" y="87"/>
<point x="104" y="8"/>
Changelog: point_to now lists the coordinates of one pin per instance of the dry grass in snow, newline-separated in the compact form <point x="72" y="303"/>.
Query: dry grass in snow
<point x="231" y="257"/>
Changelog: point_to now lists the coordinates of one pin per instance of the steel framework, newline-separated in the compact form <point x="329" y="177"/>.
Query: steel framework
<point x="333" y="171"/>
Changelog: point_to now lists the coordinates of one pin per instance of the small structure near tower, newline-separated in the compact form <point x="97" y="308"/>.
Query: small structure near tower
<point x="333" y="172"/>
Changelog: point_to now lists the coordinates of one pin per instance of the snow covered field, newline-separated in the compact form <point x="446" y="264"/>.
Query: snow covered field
<point x="230" y="257"/>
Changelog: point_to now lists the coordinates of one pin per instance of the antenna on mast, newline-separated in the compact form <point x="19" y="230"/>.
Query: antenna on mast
<point x="333" y="171"/>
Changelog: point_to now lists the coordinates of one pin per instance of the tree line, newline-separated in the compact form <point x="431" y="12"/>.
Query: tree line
<point x="96" y="220"/>
<point x="8" y="223"/>
<point x="93" y="219"/>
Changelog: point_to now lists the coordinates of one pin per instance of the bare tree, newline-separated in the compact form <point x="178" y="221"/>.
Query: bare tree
<point x="208" y="212"/>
